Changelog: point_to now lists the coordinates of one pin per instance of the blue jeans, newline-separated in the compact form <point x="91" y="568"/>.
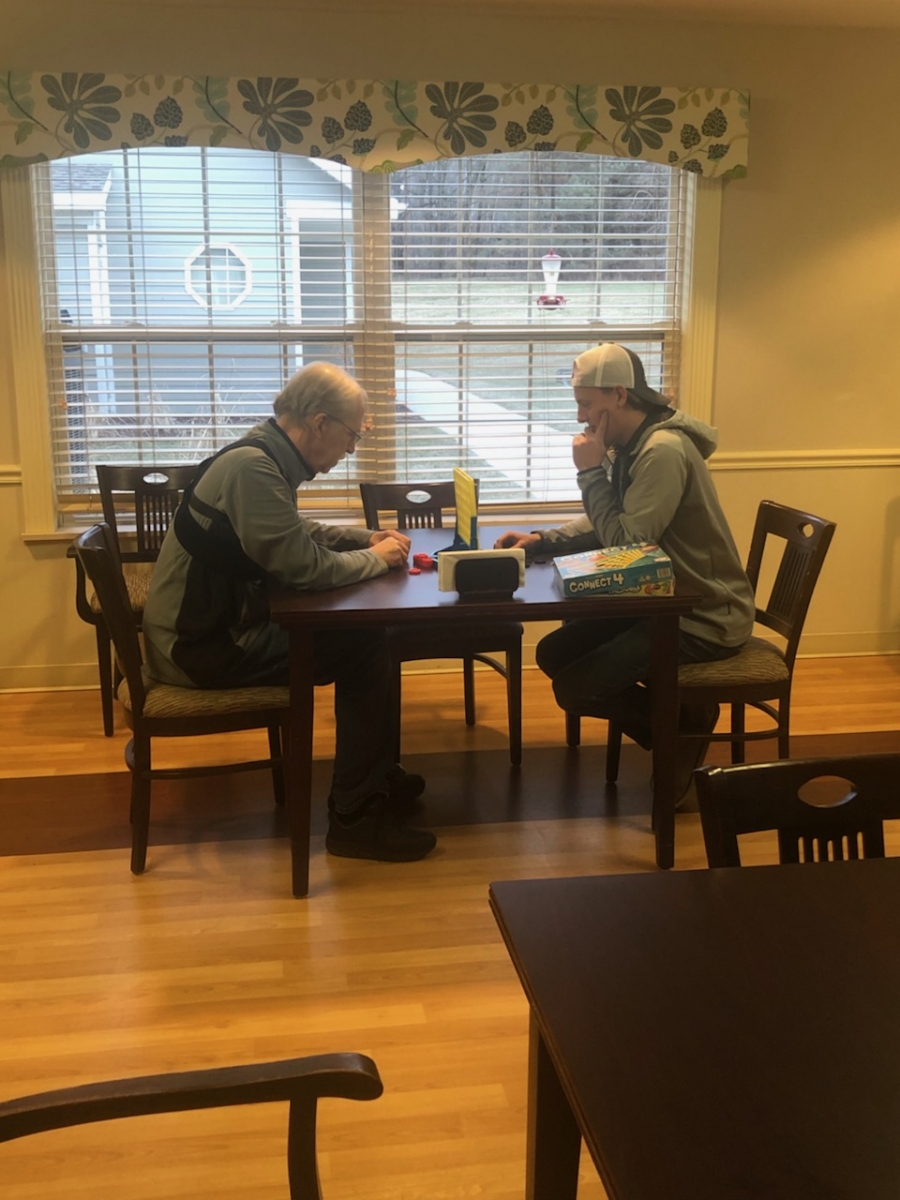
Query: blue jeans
<point x="598" y="667"/>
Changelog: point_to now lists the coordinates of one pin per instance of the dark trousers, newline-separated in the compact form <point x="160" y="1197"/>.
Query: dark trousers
<point x="358" y="663"/>
<point x="597" y="668"/>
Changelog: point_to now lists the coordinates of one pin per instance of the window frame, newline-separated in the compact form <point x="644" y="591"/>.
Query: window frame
<point x="42" y="519"/>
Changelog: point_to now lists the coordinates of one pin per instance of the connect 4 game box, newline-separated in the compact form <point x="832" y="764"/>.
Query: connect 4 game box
<point x="641" y="569"/>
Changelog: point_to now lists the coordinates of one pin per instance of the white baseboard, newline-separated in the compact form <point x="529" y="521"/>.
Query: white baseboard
<point x="83" y="676"/>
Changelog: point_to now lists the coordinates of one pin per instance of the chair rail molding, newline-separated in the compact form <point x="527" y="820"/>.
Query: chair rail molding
<point x="799" y="460"/>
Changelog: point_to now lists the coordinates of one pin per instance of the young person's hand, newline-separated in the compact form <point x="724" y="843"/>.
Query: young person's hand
<point x="589" y="447"/>
<point x="512" y="540"/>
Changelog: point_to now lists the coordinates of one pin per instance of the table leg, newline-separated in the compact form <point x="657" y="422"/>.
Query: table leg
<point x="554" y="1140"/>
<point x="298" y="757"/>
<point x="664" y="686"/>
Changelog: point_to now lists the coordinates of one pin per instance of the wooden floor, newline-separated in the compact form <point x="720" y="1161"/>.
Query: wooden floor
<point x="206" y="960"/>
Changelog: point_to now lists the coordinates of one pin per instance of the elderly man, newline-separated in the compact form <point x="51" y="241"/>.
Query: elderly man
<point x="643" y="478"/>
<point x="206" y="622"/>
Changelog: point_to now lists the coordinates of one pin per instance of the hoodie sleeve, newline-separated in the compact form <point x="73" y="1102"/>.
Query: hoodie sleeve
<point x="262" y="508"/>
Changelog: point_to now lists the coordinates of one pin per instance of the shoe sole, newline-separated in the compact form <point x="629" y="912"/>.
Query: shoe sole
<point x="350" y="851"/>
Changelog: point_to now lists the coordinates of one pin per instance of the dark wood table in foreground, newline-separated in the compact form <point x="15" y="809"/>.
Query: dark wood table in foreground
<point x="397" y="598"/>
<point x="713" y="1035"/>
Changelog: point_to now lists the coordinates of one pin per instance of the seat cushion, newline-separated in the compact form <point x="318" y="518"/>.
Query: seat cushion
<point x="758" y="662"/>
<point x="163" y="700"/>
<point x="137" y="582"/>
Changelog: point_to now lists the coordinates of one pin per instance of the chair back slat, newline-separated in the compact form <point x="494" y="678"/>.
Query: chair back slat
<point x="806" y="542"/>
<point x="767" y="796"/>
<point x="98" y="554"/>
<point x="411" y="505"/>
<point x="150" y="495"/>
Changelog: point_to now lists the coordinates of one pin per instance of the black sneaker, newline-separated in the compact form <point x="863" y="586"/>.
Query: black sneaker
<point x="404" y="790"/>
<point x="372" y="831"/>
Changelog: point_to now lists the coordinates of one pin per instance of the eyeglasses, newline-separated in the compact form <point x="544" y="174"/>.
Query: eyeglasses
<point x="355" y="434"/>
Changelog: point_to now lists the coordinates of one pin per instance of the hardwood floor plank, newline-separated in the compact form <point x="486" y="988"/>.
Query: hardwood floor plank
<point x="207" y="960"/>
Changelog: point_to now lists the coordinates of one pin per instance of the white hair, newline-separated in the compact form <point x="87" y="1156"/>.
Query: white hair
<point x="319" y="387"/>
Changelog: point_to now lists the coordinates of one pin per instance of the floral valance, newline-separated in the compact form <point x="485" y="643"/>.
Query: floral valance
<point x="376" y="125"/>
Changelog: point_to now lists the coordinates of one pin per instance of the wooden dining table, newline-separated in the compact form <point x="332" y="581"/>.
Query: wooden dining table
<point x="731" y="1034"/>
<point x="399" y="597"/>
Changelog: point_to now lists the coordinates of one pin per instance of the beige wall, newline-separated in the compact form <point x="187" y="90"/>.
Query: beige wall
<point x="809" y="291"/>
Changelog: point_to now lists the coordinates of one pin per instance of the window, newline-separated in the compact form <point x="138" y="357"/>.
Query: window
<point x="181" y="287"/>
<point x="217" y="277"/>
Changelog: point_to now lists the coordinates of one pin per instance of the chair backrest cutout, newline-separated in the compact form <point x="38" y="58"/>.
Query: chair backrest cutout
<point x="150" y="494"/>
<point x="782" y="797"/>
<point x="412" y="505"/>
<point x="806" y="540"/>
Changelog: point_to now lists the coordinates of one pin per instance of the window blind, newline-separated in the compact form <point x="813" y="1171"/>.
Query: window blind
<point x="182" y="287"/>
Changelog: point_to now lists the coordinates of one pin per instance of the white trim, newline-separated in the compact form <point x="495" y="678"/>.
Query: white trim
<point x="191" y="259"/>
<point x="800" y="460"/>
<point x="698" y="346"/>
<point x="27" y="353"/>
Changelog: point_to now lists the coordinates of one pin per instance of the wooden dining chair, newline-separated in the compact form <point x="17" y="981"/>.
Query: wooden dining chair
<point x="145" y="497"/>
<point x="761" y="673"/>
<point x="154" y="710"/>
<point x="301" y="1082"/>
<point x="823" y="809"/>
<point x="423" y="506"/>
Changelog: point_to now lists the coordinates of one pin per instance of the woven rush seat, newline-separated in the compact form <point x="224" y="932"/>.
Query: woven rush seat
<point x="137" y="584"/>
<point x="166" y="700"/>
<point x="760" y="661"/>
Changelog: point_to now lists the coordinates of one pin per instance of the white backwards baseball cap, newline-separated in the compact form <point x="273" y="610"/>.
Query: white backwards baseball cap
<point x="611" y="365"/>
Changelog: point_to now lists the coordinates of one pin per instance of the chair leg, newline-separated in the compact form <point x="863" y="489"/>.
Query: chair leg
<point x="396" y="700"/>
<point x="738" y="728"/>
<point x="105" y="671"/>
<point x="613" y="751"/>
<point x="276" y="754"/>
<point x="573" y="729"/>
<point x="514" y="703"/>
<point x="784" y="727"/>
<point x="140" y="803"/>
<point x="469" y="688"/>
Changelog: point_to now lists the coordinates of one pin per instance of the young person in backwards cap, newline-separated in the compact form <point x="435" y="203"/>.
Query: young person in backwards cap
<point x="643" y="478"/>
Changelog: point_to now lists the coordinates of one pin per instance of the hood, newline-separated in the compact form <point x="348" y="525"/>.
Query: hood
<point x="704" y="437"/>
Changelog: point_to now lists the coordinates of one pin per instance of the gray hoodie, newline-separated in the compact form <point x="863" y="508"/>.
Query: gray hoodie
<point x="665" y="494"/>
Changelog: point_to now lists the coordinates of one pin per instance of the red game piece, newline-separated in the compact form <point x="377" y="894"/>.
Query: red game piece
<point x="414" y="571"/>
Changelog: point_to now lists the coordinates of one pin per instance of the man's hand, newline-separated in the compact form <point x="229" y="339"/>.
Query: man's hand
<point x="589" y="448"/>
<point x="388" y="547"/>
<point x="513" y="540"/>
<point x="399" y="537"/>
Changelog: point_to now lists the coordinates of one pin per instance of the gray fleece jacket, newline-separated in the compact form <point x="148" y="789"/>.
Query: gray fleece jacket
<point x="663" y="492"/>
<point x="199" y="619"/>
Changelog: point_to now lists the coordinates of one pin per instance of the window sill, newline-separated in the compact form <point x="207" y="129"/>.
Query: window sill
<point x="513" y="518"/>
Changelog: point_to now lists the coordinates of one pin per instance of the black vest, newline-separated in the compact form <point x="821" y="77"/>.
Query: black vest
<point x="218" y="547"/>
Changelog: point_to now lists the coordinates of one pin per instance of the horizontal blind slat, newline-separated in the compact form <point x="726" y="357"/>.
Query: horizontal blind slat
<point x="182" y="287"/>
